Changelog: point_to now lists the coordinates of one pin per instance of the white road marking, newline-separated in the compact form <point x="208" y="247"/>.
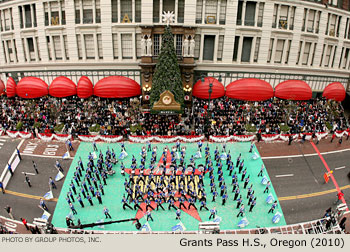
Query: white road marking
<point x="2" y="140"/>
<point x="285" y="175"/>
<point x="28" y="173"/>
<point x="35" y="155"/>
<point x="306" y="155"/>
<point x="1" y="143"/>
<point x="339" y="168"/>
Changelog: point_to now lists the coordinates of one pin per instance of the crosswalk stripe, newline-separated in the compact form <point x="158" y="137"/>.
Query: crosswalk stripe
<point x="2" y="140"/>
<point x="1" y="143"/>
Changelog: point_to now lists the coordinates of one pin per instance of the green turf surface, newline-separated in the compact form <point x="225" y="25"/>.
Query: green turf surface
<point x="165" y="220"/>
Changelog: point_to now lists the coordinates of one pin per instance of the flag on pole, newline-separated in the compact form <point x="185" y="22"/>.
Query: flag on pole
<point x="48" y="195"/>
<point x="59" y="176"/>
<point x="65" y="155"/>
<point x="46" y="215"/>
<point x="243" y="222"/>
<point x="198" y="155"/>
<point x="146" y="227"/>
<point x="123" y="155"/>
<point x="223" y="156"/>
<point x="217" y="219"/>
<point x="179" y="227"/>
<point x="277" y="217"/>
<point x="270" y="199"/>
<point x="255" y="156"/>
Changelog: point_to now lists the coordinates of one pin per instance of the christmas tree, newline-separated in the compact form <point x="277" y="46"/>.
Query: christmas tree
<point x="167" y="74"/>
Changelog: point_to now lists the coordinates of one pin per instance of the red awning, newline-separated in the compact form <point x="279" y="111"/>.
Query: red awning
<point x="117" y="87"/>
<point x="335" y="91"/>
<point x="2" y="87"/>
<point x="200" y="90"/>
<point x="62" y="87"/>
<point x="249" y="89"/>
<point x="85" y="88"/>
<point x="293" y="90"/>
<point x="31" y="87"/>
<point x="11" y="87"/>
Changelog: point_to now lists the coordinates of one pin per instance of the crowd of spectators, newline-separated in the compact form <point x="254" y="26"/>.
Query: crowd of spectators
<point x="227" y="116"/>
<point x="124" y="117"/>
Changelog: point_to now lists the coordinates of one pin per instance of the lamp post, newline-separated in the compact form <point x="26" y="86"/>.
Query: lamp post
<point x="210" y="90"/>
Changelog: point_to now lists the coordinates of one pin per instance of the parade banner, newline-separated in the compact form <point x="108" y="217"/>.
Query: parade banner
<point x="165" y="139"/>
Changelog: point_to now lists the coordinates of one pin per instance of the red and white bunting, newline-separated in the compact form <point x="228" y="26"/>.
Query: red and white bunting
<point x="165" y="139"/>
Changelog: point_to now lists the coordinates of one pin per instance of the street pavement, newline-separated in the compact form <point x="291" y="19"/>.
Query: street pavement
<point x="307" y="178"/>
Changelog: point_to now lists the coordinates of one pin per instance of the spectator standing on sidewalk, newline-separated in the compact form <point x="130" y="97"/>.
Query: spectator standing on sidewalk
<point x="24" y="221"/>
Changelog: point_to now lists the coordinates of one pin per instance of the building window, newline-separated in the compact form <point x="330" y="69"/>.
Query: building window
<point x="306" y="53"/>
<point x="138" y="45"/>
<point x="249" y="18"/>
<point x="317" y="25"/>
<point x="291" y="19"/>
<point x="220" y="47"/>
<point x="138" y="11"/>
<point x="26" y="18"/>
<point x="304" y="20"/>
<point x="274" y="19"/>
<point x="48" y="42"/>
<point x="89" y="46"/>
<point x="87" y="12"/>
<point x="209" y="45"/>
<point x="328" y="55"/>
<point x="197" y="46"/>
<point x="80" y="48"/>
<point x="126" y="11"/>
<point x="211" y="11"/>
<point x="114" y="11"/>
<point x="169" y="5"/>
<point x="338" y="26"/>
<point x="256" y="51"/>
<point x="310" y="21"/>
<point x="181" y="11"/>
<point x="287" y="52"/>
<point x="99" y="46"/>
<point x="283" y="21"/>
<point x="345" y="58"/>
<point x="156" y="11"/>
<point x="299" y="52"/>
<point x="156" y="44"/>
<point x="199" y="10"/>
<point x="261" y="14"/>
<point x="7" y="18"/>
<point x="37" y="46"/>
<point x="127" y="48"/>
<point x="246" y="49"/>
<point x="98" y="11"/>
<point x="313" y="55"/>
<point x="57" y="47"/>
<point x="115" y="45"/>
<point x="235" y="48"/>
<point x="323" y="52"/>
<point x="222" y="18"/>
<point x="65" y="40"/>
<point x="178" y="46"/>
<point x="77" y="11"/>
<point x="270" y="50"/>
<point x="279" y="51"/>
<point x="335" y="53"/>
